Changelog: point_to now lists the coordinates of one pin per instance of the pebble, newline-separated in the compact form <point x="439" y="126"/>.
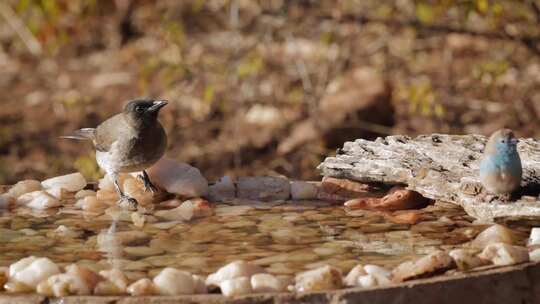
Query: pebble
<point x="368" y="276"/>
<point x="91" y="204"/>
<point x="341" y="189"/>
<point x="534" y="255"/>
<point x="71" y="182"/>
<point x="38" y="200"/>
<point x="222" y="190"/>
<point x="323" y="278"/>
<point x="134" y="188"/>
<point x="77" y="280"/>
<point x="142" y="251"/>
<point x="233" y="270"/>
<point x="116" y="283"/>
<point x="142" y="287"/>
<point x="504" y="254"/>
<point x="178" y="178"/>
<point x="494" y="234"/>
<point x="534" y="238"/>
<point x="301" y="190"/>
<point x="183" y="212"/>
<point x="84" y="193"/>
<point x="23" y="187"/>
<point x="264" y="282"/>
<point x="265" y="188"/>
<point x="466" y="259"/>
<point x="171" y="281"/>
<point x="236" y="286"/>
<point x="31" y="270"/>
<point x="429" y="264"/>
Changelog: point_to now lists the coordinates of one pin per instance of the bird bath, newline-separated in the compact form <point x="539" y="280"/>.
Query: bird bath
<point x="285" y="237"/>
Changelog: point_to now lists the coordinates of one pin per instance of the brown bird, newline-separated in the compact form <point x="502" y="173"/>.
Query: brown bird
<point x="130" y="141"/>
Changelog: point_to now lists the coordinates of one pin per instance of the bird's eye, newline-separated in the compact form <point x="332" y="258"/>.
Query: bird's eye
<point x="139" y="109"/>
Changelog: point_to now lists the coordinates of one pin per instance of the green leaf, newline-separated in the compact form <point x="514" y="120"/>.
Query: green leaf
<point x="424" y="12"/>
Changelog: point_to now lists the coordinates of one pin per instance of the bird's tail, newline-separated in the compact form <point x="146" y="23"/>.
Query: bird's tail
<point x="81" y="134"/>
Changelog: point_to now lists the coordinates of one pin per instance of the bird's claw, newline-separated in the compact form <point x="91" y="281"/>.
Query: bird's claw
<point x="132" y="203"/>
<point x="148" y="186"/>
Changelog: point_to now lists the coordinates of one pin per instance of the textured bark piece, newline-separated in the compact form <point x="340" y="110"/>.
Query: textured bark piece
<point x="442" y="167"/>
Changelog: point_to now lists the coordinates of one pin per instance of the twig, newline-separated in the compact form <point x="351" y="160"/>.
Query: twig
<point x="18" y="26"/>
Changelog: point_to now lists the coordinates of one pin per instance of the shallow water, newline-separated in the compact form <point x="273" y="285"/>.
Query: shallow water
<point x="285" y="238"/>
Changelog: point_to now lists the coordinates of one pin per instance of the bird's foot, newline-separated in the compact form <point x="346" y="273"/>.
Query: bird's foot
<point x="148" y="186"/>
<point x="505" y="198"/>
<point x="129" y="201"/>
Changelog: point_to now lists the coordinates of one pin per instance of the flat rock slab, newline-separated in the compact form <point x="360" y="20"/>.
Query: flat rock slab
<point x="441" y="167"/>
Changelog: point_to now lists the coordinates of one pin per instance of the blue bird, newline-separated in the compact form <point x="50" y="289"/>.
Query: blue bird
<point x="500" y="169"/>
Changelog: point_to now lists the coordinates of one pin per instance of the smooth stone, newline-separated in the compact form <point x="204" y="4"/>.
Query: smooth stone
<point x="233" y="270"/>
<point x="116" y="277"/>
<point x="142" y="287"/>
<point x="91" y="204"/>
<point x="494" y="234"/>
<point x="264" y="282"/>
<point x="504" y="254"/>
<point x="322" y="278"/>
<point x="178" y="178"/>
<point x="70" y="182"/>
<point x="31" y="270"/>
<point x="534" y="255"/>
<point x="222" y="190"/>
<point x="301" y="190"/>
<point x="534" y="238"/>
<point x="23" y="187"/>
<point x="135" y="188"/>
<point x="265" y="188"/>
<point x="171" y="281"/>
<point x="466" y="259"/>
<point x="183" y="212"/>
<point x="429" y="264"/>
<point x="84" y="193"/>
<point x="236" y="287"/>
<point x="38" y="200"/>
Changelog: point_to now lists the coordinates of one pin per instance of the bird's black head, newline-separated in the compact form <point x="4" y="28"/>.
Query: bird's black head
<point x="144" y="111"/>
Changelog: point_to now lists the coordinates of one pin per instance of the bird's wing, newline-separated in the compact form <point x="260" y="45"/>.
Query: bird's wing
<point x="82" y="134"/>
<point x="110" y="131"/>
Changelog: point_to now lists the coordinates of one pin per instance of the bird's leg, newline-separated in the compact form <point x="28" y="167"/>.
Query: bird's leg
<point x="123" y="197"/>
<point x="147" y="183"/>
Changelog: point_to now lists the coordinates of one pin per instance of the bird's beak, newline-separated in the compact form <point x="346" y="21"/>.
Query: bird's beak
<point x="158" y="104"/>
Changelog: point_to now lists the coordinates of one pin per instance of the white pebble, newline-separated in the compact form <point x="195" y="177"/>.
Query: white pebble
<point x="199" y="284"/>
<point x="352" y="277"/>
<point x="117" y="277"/>
<point x="142" y="287"/>
<point x="534" y="238"/>
<point x="30" y="271"/>
<point x="367" y="280"/>
<point x="171" y="281"/>
<point x="182" y="212"/>
<point x="91" y="204"/>
<point x="38" y="200"/>
<point x="178" y="178"/>
<point x="466" y="259"/>
<point x="235" y="287"/>
<point x="322" y="278"/>
<point x="84" y="193"/>
<point x="504" y="254"/>
<point x="23" y="187"/>
<point x="368" y="276"/>
<point x="264" y="282"/>
<point x="493" y="234"/>
<point x="301" y="190"/>
<point x="70" y="182"/>
<point x="233" y="270"/>
<point x="534" y="255"/>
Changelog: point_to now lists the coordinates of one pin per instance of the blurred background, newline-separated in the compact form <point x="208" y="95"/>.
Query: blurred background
<point x="261" y="87"/>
